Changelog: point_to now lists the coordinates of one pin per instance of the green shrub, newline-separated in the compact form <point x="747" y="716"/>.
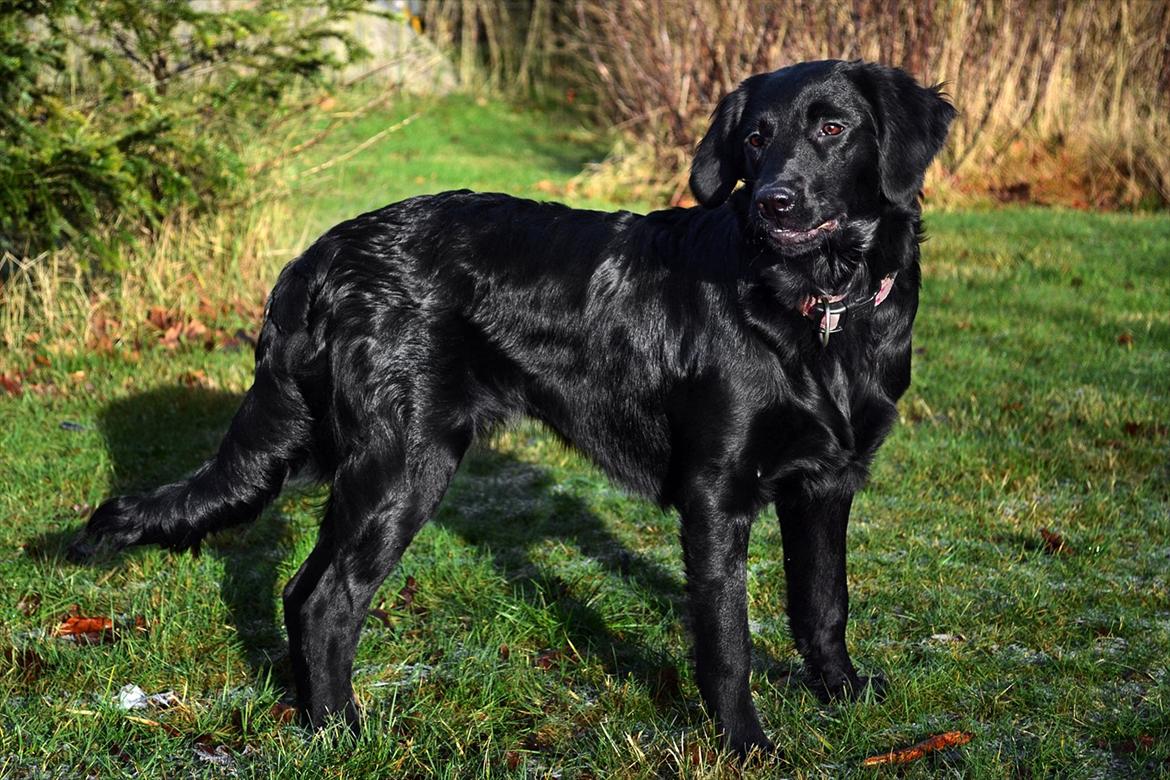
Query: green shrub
<point x="114" y="114"/>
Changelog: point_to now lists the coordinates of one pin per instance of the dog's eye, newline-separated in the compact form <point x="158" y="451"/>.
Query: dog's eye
<point x="755" y="140"/>
<point x="832" y="128"/>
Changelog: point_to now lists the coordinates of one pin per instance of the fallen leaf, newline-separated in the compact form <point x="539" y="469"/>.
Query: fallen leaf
<point x="1145" y="430"/>
<point x="1125" y="339"/>
<point x="99" y="338"/>
<point x="42" y="360"/>
<point x="119" y="753"/>
<point x="170" y="337"/>
<point x="549" y="657"/>
<point x="98" y="322"/>
<point x="700" y="754"/>
<point x="159" y="318"/>
<point x="283" y="713"/>
<point x="194" y="331"/>
<point x="29" y="604"/>
<point x="207" y="309"/>
<point x="1054" y="543"/>
<point x="382" y="615"/>
<point x="197" y="378"/>
<point x="406" y="596"/>
<point x="86" y="630"/>
<point x="237" y="341"/>
<point x="914" y="752"/>
<point x="504" y="652"/>
<point x="1142" y="741"/>
<point x="94" y="630"/>
<point x="27" y="662"/>
<point x="11" y="383"/>
<point x="512" y="759"/>
<point x="542" y="739"/>
<point x="918" y="411"/>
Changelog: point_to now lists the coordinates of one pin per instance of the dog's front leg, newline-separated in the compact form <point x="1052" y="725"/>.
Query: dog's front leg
<point x="715" y="554"/>
<point x="813" y="528"/>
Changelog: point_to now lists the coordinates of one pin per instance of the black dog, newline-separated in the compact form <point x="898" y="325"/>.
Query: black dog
<point x="715" y="359"/>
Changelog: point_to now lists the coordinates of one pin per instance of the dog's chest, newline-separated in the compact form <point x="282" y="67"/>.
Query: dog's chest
<point x="830" y="424"/>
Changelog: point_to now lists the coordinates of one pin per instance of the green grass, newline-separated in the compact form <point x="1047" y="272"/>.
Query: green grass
<point x="454" y="143"/>
<point x="545" y="638"/>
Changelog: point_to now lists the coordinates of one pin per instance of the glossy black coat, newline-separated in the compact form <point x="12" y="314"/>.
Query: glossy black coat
<point x="668" y="347"/>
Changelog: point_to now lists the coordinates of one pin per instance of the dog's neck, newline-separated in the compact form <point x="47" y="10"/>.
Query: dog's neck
<point x="827" y="292"/>
<point x="848" y="265"/>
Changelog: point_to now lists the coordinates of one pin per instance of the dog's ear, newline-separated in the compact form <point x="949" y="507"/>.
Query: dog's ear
<point x="912" y="124"/>
<point x="718" y="163"/>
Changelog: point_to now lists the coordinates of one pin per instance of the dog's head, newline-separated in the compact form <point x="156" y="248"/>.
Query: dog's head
<point x="824" y="147"/>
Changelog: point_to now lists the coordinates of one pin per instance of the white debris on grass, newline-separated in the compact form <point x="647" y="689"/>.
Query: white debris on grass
<point x="131" y="697"/>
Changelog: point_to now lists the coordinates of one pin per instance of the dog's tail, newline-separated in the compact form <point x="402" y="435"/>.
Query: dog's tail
<point x="269" y="439"/>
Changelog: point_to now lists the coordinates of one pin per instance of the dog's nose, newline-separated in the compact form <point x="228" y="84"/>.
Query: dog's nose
<point x="775" y="202"/>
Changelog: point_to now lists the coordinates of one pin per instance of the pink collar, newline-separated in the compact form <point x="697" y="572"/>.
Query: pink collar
<point x="828" y="311"/>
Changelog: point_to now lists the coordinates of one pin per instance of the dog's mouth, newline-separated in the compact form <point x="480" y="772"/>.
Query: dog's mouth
<point x="787" y="237"/>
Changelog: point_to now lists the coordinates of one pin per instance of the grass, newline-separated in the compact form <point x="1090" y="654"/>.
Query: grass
<point x="544" y="636"/>
<point x="458" y="142"/>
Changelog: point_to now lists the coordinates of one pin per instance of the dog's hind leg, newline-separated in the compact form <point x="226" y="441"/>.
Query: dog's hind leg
<point x="381" y="498"/>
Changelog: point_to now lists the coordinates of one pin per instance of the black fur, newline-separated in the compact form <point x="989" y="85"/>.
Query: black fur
<point x="668" y="347"/>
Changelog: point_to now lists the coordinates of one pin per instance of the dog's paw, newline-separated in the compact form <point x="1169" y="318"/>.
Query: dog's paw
<point x="747" y="747"/>
<point x="110" y="528"/>
<point x="840" y="686"/>
<point x="745" y="737"/>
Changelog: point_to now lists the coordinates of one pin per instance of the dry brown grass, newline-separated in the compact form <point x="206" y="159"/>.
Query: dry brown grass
<point x="213" y="272"/>
<point x="1062" y="101"/>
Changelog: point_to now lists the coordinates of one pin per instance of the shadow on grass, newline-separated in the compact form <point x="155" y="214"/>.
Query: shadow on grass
<point x="161" y="435"/>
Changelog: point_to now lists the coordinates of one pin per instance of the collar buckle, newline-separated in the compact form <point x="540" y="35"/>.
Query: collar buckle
<point x="830" y="316"/>
<point x="830" y="312"/>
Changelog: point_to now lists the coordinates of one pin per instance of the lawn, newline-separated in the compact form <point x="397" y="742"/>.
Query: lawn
<point x="1009" y="569"/>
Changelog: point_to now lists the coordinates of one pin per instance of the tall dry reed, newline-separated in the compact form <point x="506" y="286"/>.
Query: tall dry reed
<point x="1061" y="100"/>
